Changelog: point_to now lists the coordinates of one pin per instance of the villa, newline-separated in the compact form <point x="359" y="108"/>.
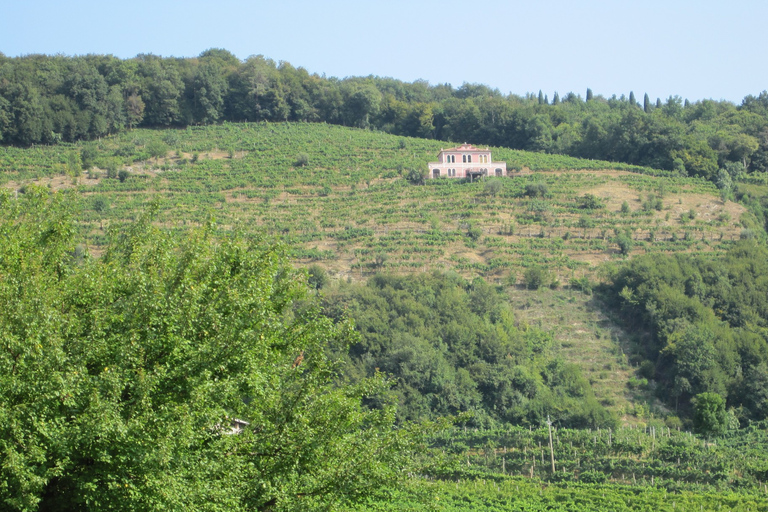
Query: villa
<point x="466" y="161"/>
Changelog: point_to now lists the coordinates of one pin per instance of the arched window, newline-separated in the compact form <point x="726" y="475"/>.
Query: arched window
<point x="469" y="159"/>
<point x="498" y="172"/>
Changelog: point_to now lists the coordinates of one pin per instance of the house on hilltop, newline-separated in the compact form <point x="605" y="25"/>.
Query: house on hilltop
<point x="466" y="161"/>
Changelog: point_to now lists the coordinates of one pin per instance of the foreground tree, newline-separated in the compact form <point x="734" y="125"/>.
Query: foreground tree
<point x="120" y="376"/>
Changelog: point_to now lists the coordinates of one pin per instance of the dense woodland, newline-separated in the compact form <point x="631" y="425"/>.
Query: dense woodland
<point x="455" y="347"/>
<point x="706" y="321"/>
<point x="46" y="99"/>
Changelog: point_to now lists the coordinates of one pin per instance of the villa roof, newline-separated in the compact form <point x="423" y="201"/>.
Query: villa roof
<point x="464" y="147"/>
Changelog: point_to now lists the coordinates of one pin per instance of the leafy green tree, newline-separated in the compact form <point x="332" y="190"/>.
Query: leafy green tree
<point x="209" y="91"/>
<point x="536" y="190"/>
<point x="317" y="277"/>
<point x="121" y="377"/>
<point x="157" y="149"/>
<point x="709" y="415"/>
<point x="134" y="110"/>
<point x="590" y="202"/>
<point x="535" y="277"/>
<point x="625" y="244"/>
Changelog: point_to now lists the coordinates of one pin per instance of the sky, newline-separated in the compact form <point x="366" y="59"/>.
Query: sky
<point x="701" y="49"/>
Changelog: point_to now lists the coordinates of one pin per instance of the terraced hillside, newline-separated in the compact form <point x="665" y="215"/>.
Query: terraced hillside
<point x="339" y="196"/>
<point x="341" y="199"/>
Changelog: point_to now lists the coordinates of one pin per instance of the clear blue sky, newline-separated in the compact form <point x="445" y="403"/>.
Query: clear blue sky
<point x="694" y="49"/>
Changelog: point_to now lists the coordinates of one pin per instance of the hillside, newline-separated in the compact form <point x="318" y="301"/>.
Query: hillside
<point x="337" y="195"/>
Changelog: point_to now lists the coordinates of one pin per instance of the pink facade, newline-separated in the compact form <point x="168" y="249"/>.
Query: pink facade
<point x="466" y="161"/>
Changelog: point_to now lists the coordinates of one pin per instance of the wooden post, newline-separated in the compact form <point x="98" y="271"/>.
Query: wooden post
<point x="551" y="449"/>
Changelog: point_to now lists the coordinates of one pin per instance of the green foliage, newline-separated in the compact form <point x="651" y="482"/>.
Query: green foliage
<point x="535" y="277"/>
<point x="317" y="277"/>
<point x="590" y="202"/>
<point x="452" y="347"/>
<point x="53" y="99"/>
<point x="120" y="376"/>
<point x="415" y="176"/>
<point x="624" y="208"/>
<point x="157" y="148"/>
<point x="709" y="415"/>
<point x="706" y="318"/>
<point x="536" y="190"/>
<point x="625" y="244"/>
<point x="302" y="160"/>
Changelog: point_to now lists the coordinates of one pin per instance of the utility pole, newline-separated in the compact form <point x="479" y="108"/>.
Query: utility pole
<point x="551" y="449"/>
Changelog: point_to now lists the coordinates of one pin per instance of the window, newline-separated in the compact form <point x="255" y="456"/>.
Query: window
<point x="435" y="173"/>
<point x="469" y="158"/>
<point x="498" y="172"/>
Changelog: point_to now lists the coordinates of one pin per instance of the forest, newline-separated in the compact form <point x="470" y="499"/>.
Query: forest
<point x="48" y="99"/>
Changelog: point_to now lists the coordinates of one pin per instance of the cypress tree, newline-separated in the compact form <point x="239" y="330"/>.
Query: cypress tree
<point x="646" y="103"/>
<point x="589" y="94"/>
<point x="541" y="97"/>
<point x="546" y="99"/>
<point x="658" y="102"/>
<point x="632" y="100"/>
<point x="556" y="99"/>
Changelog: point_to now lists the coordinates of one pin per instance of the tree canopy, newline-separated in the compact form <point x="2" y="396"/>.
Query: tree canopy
<point x="121" y="376"/>
<point x="47" y="99"/>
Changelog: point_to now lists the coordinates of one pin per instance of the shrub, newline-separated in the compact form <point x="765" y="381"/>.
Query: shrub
<point x="625" y="244"/>
<point x="302" y="160"/>
<point x="317" y="277"/>
<point x="590" y="202"/>
<point x="536" y="277"/>
<point x="536" y="190"/>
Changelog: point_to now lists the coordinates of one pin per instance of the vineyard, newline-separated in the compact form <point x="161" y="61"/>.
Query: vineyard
<point x="648" y="467"/>
<point x="353" y="203"/>
<point x="339" y="196"/>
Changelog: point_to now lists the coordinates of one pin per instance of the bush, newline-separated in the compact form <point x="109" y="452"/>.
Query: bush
<point x="415" y="176"/>
<point x="590" y="202"/>
<point x="625" y="244"/>
<point x="536" y="277"/>
<point x="492" y="188"/>
<point x="593" y="477"/>
<point x="302" y="160"/>
<point x="317" y="277"/>
<point x="536" y="190"/>
<point x="474" y="233"/>
<point x="624" y="208"/>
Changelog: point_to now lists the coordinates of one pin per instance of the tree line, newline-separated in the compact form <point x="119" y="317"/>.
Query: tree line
<point x="46" y="99"/>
